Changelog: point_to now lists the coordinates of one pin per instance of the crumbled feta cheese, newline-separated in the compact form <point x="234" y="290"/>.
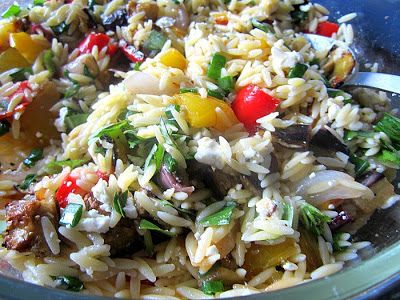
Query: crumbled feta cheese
<point x="105" y="194"/>
<point x="283" y="59"/>
<point x="75" y="198"/>
<point x="265" y="207"/>
<point x="209" y="152"/>
<point x="130" y="209"/>
<point x="94" y="222"/>
<point x="60" y="121"/>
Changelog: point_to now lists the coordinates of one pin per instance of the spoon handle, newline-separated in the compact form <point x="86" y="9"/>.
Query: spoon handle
<point x="379" y="81"/>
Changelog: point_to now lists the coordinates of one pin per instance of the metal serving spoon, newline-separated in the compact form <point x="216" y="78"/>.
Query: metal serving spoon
<point x="379" y="81"/>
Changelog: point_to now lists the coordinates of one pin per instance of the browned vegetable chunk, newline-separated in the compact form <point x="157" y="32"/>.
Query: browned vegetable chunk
<point x="123" y="238"/>
<point x="309" y="247"/>
<point x="24" y="229"/>
<point x="260" y="257"/>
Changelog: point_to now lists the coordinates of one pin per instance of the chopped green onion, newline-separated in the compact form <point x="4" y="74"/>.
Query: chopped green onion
<point x="35" y="155"/>
<point x="262" y="26"/>
<point x="170" y="163"/>
<point x="49" y="62"/>
<point x="75" y="120"/>
<point x="226" y="83"/>
<point x="336" y="243"/>
<point x="56" y="167"/>
<point x="29" y="179"/>
<point x="360" y="165"/>
<point x="147" y="225"/>
<point x="188" y="90"/>
<point x="87" y="72"/>
<point x="12" y="11"/>
<point x="222" y="217"/>
<point x="120" y="202"/>
<point x="155" y="42"/>
<point x="297" y="71"/>
<point x="148" y="243"/>
<point x="136" y="67"/>
<point x="388" y="157"/>
<point x="68" y="283"/>
<point x="60" y="28"/>
<point x="38" y="2"/>
<point x="313" y="219"/>
<point x="391" y="126"/>
<point x="335" y="92"/>
<point x="299" y="16"/>
<point x="350" y="134"/>
<point x="3" y="226"/>
<point x="20" y="74"/>
<point x="155" y="156"/>
<point x="211" y="287"/>
<point x="72" y="214"/>
<point x="4" y="127"/>
<point x="72" y="91"/>
<point x="217" y="93"/>
<point x="288" y="213"/>
<point x="218" y="61"/>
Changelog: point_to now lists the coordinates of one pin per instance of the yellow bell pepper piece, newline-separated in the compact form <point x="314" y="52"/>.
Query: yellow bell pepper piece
<point x="28" y="47"/>
<point x="202" y="112"/>
<point x="173" y="58"/>
<point x="5" y="30"/>
<point x="10" y="59"/>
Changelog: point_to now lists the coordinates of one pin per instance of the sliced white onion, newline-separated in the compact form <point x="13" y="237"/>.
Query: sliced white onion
<point x="329" y="184"/>
<point x="143" y="83"/>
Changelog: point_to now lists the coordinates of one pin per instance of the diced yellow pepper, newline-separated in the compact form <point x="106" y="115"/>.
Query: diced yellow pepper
<point x="5" y="30"/>
<point x="202" y="112"/>
<point x="28" y="47"/>
<point x="10" y="59"/>
<point x="173" y="58"/>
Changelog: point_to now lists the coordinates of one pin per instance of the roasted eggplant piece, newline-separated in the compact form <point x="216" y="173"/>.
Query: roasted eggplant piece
<point x="117" y="18"/>
<point x="293" y="137"/>
<point x="339" y="66"/>
<point x="326" y="143"/>
<point x="370" y="178"/>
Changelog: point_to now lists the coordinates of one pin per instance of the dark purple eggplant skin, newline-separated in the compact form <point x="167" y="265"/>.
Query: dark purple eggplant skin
<point x="370" y="178"/>
<point x="117" y="18"/>
<point x="325" y="142"/>
<point x="294" y="136"/>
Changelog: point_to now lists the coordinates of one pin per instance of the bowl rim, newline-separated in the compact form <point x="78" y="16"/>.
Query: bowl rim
<point x="369" y="278"/>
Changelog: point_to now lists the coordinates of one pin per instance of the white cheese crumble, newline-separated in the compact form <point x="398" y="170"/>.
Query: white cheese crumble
<point x="209" y="152"/>
<point x="94" y="222"/>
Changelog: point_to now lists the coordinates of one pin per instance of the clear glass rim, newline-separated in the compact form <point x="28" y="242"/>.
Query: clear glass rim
<point x="368" y="278"/>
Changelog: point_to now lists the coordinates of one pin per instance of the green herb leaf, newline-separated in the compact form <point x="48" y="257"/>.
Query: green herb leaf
<point x="188" y="90"/>
<point x="91" y="4"/>
<point x="120" y="202"/>
<point x="148" y="243"/>
<point x="112" y="131"/>
<point x="391" y="126"/>
<point x="136" y="67"/>
<point x="155" y="156"/>
<point x="29" y="179"/>
<point x="19" y="75"/>
<point x="218" y="61"/>
<point x="60" y="28"/>
<point x="72" y="91"/>
<point x="69" y="283"/>
<point x="170" y="163"/>
<point x="71" y="215"/>
<point x="335" y="92"/>
<point x="299" y="16"/>
<point x="217" y="93"/>
<point x="145" y="224"/>
<point x="211" y="287"/>
<point x="226" y="83"/>
<point x="35" y="155"/>
<point x="360" y="165"/>
<point x="262" y="26"/>
<point x="38" y="2"/>
<point x="12" y="11"/>
<point x="56" y="167"/>
<point x="297" y="71"/>
<point x="155" y="42"/>
<point x="222" y="217"/>
<point x="185" y="212"/>
<point x="87" y="72"/>
<point x="337" y="247"/>
<point x="4" y="127"/>
<point x="288" y="212"/>
<point x="314" y="61"/>
<point x="350" y="135"/>
<point x="49" y="62"/>
<point x="389" y="158"/>
<point x="313" y="219"/>
<point x="75" y="120"/>
<point x="170" y="108"/>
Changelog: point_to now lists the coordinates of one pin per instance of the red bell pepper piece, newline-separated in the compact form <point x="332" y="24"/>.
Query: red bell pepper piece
<point x="68" y="186"/>
<point x="132" y="53"/>
<point x="327" y="28"/>
<point x="252" y="103"/>
<point x="22" y="105"/>
<point x="100" y="40"/>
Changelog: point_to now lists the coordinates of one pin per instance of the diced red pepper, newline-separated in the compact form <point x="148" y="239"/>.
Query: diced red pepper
<point x="68" y="186"/>
<point x="252" y="103"/>
<point x="100" y="40"/>
<point x="327" y="28"/>
<point x="132" y="53"/>
<point x="22" y="105"/>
